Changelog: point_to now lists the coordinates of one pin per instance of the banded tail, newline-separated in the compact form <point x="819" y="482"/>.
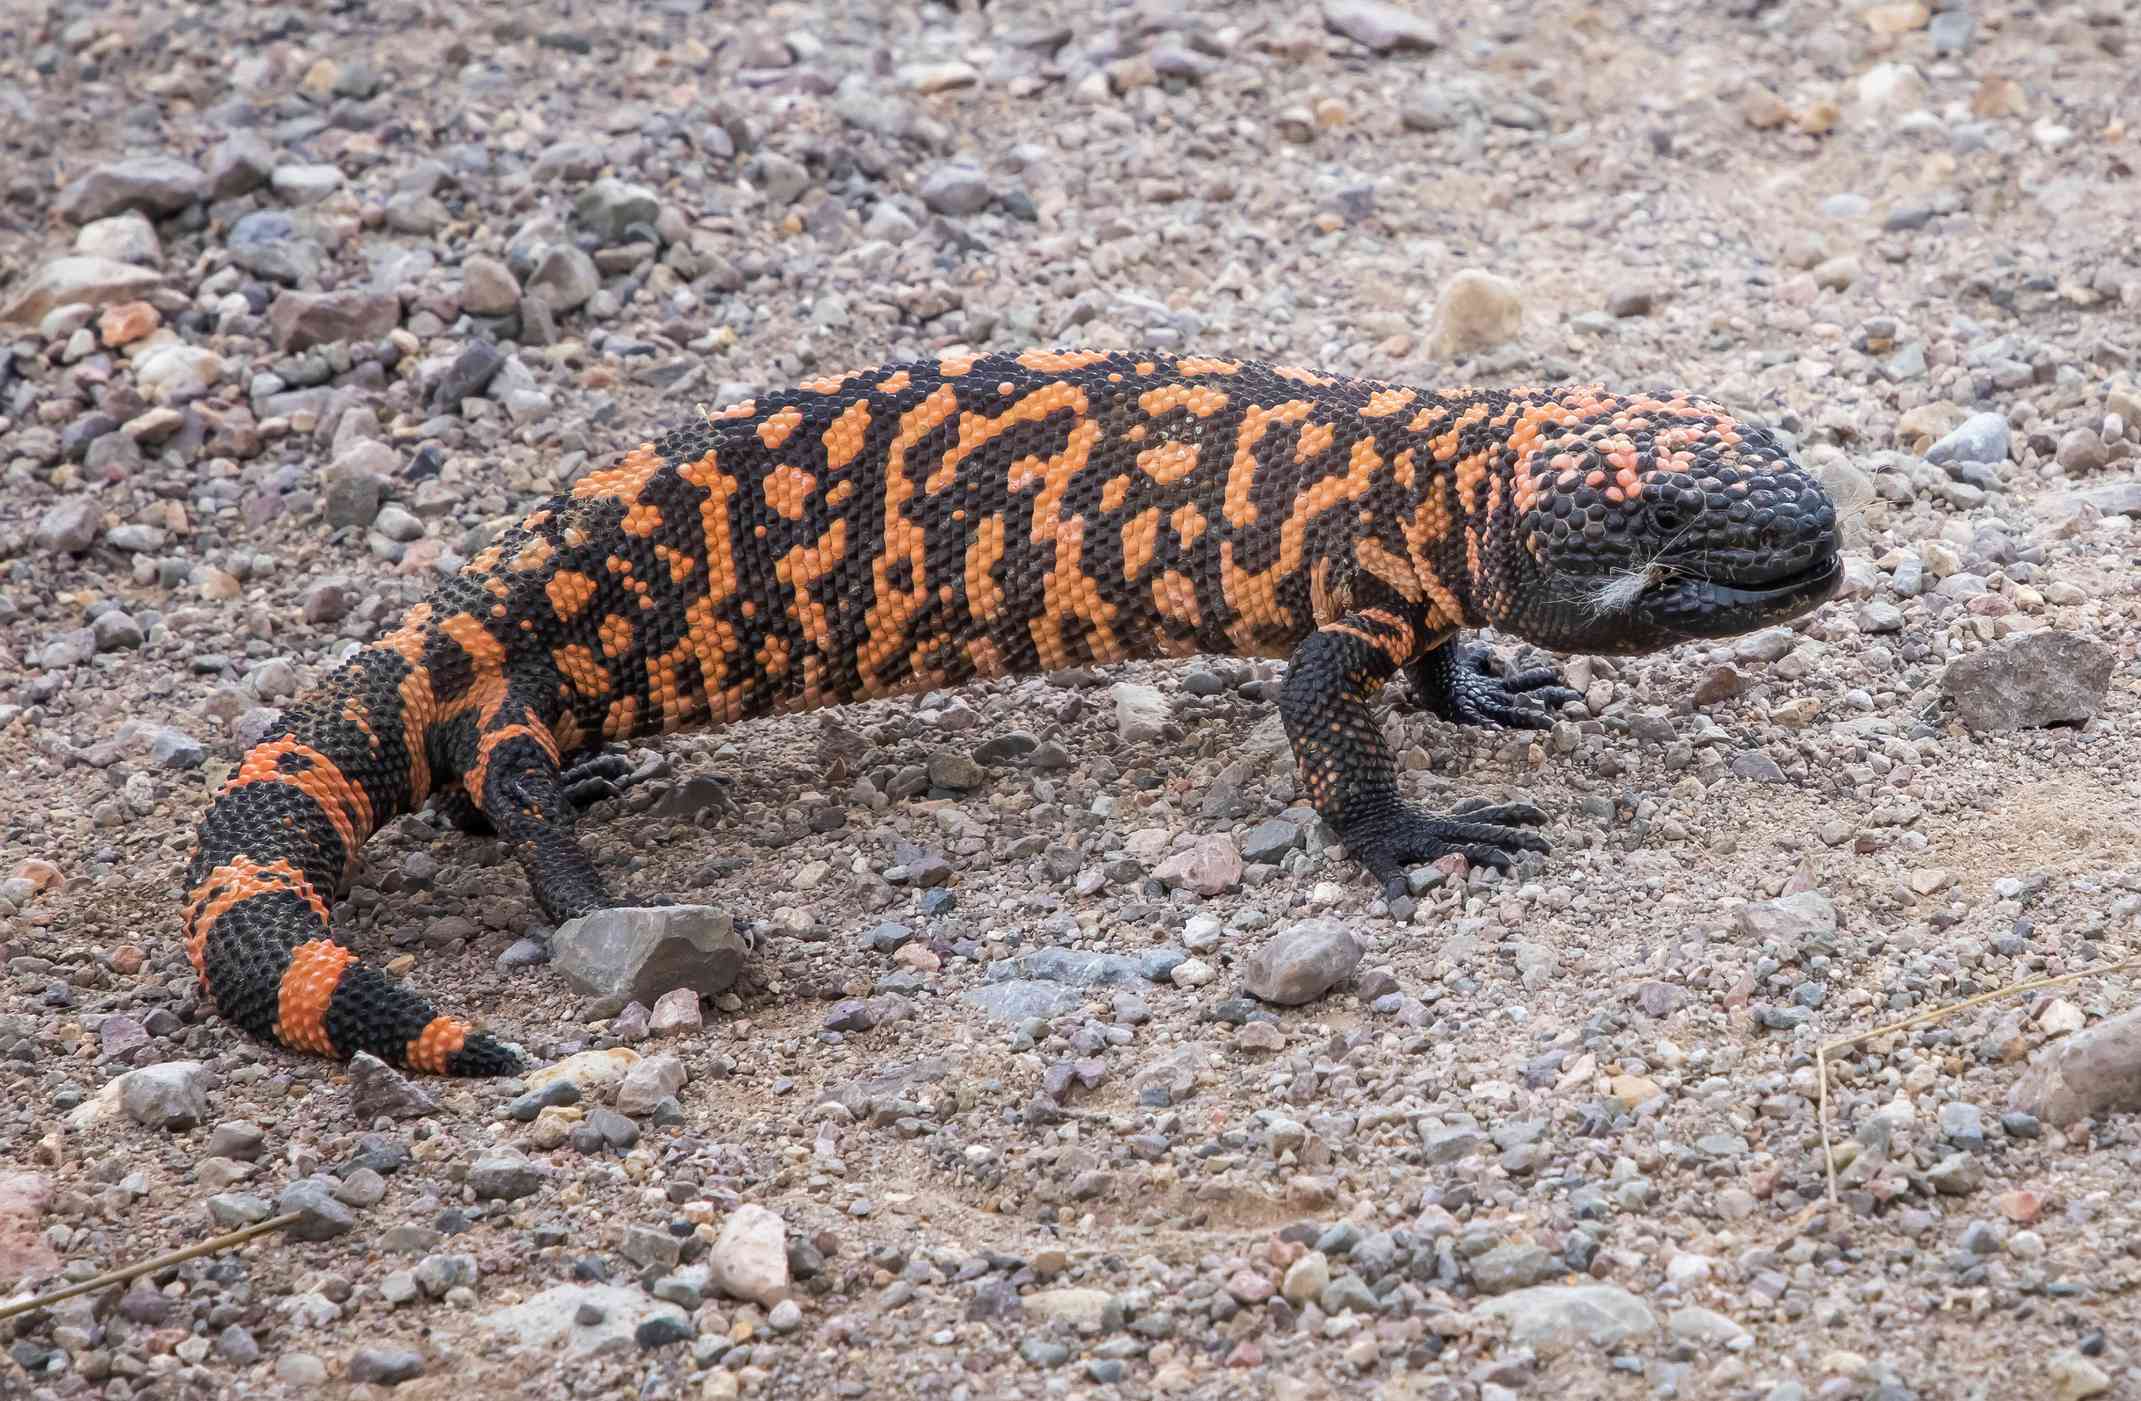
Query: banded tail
<point x="281" y="841"/>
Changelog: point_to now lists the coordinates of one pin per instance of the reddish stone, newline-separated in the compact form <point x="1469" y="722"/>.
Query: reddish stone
<point x="127" y="322"/>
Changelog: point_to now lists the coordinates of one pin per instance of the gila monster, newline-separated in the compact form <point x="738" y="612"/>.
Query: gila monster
<point x="913" y="526"/>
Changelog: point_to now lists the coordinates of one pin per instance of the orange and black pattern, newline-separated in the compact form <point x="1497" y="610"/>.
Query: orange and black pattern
<point x="912" y="526"/>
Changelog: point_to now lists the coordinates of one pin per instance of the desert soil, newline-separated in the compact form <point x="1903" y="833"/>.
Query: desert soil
<point x="1004" y="1108"/>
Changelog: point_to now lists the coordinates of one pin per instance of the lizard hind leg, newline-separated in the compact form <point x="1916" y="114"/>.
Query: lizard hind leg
<point x="516" y="784"/>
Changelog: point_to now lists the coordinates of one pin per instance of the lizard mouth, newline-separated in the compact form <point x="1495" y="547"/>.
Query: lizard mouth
<point x="1698" y="606"/>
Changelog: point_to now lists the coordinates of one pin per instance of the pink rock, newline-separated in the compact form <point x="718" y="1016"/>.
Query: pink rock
<point x="2095" y="1071"/>
<point x="23" y="1252"/>
<point x="1211" y="867"/>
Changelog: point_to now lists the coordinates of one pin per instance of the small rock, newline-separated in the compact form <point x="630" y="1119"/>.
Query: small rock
<point x="1983" y="437"/>
<point x="1380" y="25"/>
<point x="648" y="1083"/>
<point x="504" y="1174"/>
<point x="321" y="1215"/>
<point x="2030" y="680"/>
<point x="1141" y="712"/>
<point x="2074" y="1377"/>
<point x="69" y="526"/>
<point x="642" y="952"/>
<point x="956" y="190"/>
<point x="1556" y="1318"/>
<point x="1211" y="866"/>
<point x="675" y="1013"/>
<point x="388" y="1366"/>
<point x="1476" y="311"/>
<point x="156" y="185"/>
<point x="1513" y="1266"/>
<point x="70" y="281"/>
<point x="302" y="320"/>
<point x="1302" y="963"/>
<point x="1791" y="919"/>
<point x="167" y="1096"/>
<point x="1087" y="1310"/>
<point x="750" y="1257"/>
<point x="377" y="1090"/>
<point x="2088" y="1074"/>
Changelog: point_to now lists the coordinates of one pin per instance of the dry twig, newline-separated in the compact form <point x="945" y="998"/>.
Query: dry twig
<point x="1821" y="1052"/>
<point x="127" y="1272"/>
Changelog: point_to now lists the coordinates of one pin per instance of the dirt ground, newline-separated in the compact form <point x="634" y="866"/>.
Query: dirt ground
<point x="1019" y="1127"/>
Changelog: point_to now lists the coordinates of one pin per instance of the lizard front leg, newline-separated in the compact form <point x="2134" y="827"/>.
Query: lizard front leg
<point x="1347" y="766"/>
<point x="1452" y="680"/>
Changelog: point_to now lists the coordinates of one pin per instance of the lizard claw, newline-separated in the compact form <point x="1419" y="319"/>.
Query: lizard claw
<point x="1394" y="841"/>
<point x="603" y="775"/>
<point x="1455" y="682"/>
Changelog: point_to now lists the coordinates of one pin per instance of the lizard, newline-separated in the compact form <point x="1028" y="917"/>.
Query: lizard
<point x="931" y="521"/>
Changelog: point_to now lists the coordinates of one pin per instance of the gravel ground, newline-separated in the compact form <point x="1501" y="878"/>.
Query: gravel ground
<point x="1072" y="1060"/>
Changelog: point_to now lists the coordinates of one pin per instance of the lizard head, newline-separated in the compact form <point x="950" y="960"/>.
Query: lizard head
<point x="1643" y="522"/>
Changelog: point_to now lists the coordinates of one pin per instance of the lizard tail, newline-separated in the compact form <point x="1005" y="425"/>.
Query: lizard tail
<point x="281" y="839"/>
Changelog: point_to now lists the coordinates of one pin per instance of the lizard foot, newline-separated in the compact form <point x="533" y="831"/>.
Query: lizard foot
<point x="1455" y="682"/>
<point x="603" y="775"/>
<point x="1485" y="834"/>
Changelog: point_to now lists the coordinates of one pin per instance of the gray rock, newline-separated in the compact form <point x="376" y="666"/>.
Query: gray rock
<point x="2081" y="450"/>
<point x="505" y="1174"/>
<point x="1072" y="966"/>
<point x="239" y="164"/>
<point x="564" y="278"/>
<point x="468" y="376"/>
<point x="1026" y="997"/>
<point x="435" y="1274"/>
<point x="641" y="952"/>
<point x="305" y="183"/>
<point x="956" y="190"/>
<point x="233" y="1210"/>
<point x="156" y="185"/>
<point x="487" y="287"/>
<point x="1448" y="1145"/>
<point x="178" y="374"/>
<point x="320" y="1215"/>
<point x="69" y="526"/>
<point x="1140" y="712"/>
<point x="2112" y="499"/>
<point x="117" y="632"/>
<point x="125" y="238"/>
<point x="1379" y="25"/>
<point x="1699" y="1325"/>
<point x="782" y="178"/>
<point x="377" y="1090"/>
<point x="587" y="1318"/>
<point x="2094" y="1072"/>
<point x="386" y="1365"/>
<point x="1268" y="841"/>
<point x="1957" y="1175"/>
<point x="167" y="1096"/>
<point x="1791" y="919"/>
<point x="1557" y="1318"/>
<point x="949" y="768"/>
<point x="609" y="207"/>
<point x="1982" y="437"/>
<point x="268" y="243"/>
<point x="2030" y="680"/>
<point x="649" y="1082"/>
<point x="353" y="486"/>
<point x="92" y="282"/>
<point x="1514" y="1266"/>
<point x="1302" y="963"/>
<point x="301" y="320"/>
